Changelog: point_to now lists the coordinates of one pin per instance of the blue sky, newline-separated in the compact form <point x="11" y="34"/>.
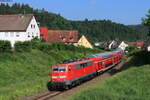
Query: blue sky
<point x="120" y="11"/>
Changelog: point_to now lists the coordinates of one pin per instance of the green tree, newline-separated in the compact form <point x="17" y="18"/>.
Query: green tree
<point x="146" y="22"/>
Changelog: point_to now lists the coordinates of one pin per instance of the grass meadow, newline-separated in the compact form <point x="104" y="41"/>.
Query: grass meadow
<point x="24" y="74"/>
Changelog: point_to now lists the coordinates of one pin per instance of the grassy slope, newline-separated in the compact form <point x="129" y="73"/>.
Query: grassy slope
<point x="131" y="84"/>
<point x="27" y="73"/>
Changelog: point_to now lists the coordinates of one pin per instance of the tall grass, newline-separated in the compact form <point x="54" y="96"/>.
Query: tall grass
<point x="26" y="73"/>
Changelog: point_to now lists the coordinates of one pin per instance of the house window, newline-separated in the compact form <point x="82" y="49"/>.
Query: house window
<point x="6" y="34"/>
<point x="28" y="34"/>
<point x="12" y="34"/>
<point x="71" y="38"/>
<point x="60" y="36"/>
<point x="32" y="26"/>
<point x="17" y="34"/>
<point x="32" y="34"/>
<point x="63" y="38"/>
<point x="36" y="34"/>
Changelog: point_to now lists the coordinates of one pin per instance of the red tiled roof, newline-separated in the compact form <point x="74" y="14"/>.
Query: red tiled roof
<point x="140" y="44"/>
<point x="64" y="36"/>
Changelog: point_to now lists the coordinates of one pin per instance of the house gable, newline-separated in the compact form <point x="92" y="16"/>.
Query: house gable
<point x="33" y="30"/>
<point x="84" y="42"/>
<point x="123" y="45"/>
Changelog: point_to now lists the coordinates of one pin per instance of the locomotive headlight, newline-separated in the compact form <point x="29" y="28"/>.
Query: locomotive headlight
<point x="54" y="77"/>
<point x="62" y="76"/>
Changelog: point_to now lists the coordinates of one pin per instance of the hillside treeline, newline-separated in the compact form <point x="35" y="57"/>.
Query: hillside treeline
<point x="96" y="30"/>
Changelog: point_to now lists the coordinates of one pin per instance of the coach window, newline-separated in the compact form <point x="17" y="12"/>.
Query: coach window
<point x="78" y="66"/>
<point x="89" y="63"/>
<point x="84" y="65"/>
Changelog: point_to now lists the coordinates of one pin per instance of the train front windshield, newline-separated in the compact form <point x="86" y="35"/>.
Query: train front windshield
<point x="59" y="69"/>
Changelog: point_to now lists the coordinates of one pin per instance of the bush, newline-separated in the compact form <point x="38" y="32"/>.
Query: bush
<point x="45" y="47"/>
<point x="132" y="50"/>
<point x="143" y="57"/>
<point x="23" y="46"/>
<point x="5" y="46"/>
<point x="35" y="42"/>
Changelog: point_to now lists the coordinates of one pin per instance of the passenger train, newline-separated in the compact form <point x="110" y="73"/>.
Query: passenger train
<point x="74" y="72"/>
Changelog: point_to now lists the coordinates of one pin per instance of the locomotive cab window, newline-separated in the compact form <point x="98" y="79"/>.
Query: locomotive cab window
<point x="59" y="69"/>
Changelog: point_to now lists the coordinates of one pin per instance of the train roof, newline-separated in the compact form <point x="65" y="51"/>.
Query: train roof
<point x="72" y="61"/>
<point x="105" y="54"/>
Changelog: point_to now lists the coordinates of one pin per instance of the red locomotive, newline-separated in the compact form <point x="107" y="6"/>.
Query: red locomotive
<point x="74" y="72"/>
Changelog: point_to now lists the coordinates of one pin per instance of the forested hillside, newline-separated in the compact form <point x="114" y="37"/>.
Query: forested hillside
<point x="96" y="30"/>
<point x="141" y="28"/>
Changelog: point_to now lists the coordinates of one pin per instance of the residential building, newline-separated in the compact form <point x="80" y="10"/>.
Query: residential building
<point x="97" y="44"/>
<point x="19" y="27"/>
<point x="83" y="41"/>
<point x="111" y="44"/>
<point x="62" y="36"/>
<point x="139" y="44"/>
<point x="123" y="45"/>
<point x="146" y="45"/>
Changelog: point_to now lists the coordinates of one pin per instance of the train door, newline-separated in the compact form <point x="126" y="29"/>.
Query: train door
<point x="83" y="69"/>
<point x="78" y="70"/>
<point x="70" y="72"/>
<point x="101" y="65"/>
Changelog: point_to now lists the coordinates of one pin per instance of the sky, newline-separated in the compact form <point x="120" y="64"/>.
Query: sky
<point x="128" y="12"/>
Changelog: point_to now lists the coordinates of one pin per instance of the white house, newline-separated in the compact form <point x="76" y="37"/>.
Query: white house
<point x="148" y="48"/>
<point x="18" y="28"/>
<point x="123" y="45"/>
<point x="111" y="44"/>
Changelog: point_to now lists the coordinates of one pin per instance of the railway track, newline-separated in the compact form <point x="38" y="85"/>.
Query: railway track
<point x="50" y="95"/>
